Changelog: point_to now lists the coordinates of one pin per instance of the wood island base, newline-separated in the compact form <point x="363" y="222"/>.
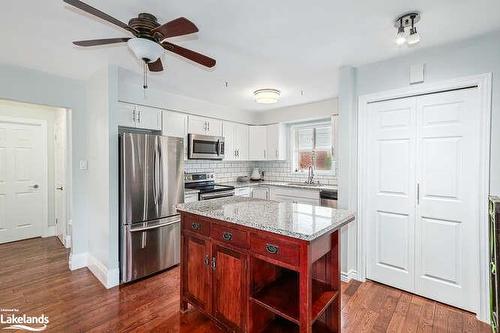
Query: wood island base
<point x="250" y="280"/>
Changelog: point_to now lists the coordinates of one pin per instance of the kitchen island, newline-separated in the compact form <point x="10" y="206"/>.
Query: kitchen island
<point x="262" y="266"/>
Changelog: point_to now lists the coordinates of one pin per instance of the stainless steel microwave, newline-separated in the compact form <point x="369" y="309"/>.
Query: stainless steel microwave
<point x="205" y="147"/>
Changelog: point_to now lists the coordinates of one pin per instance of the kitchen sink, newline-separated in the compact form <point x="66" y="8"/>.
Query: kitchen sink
<point x="304" y="184"/>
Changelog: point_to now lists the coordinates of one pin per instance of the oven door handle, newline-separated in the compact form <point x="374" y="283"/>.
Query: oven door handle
<point x="217" y="195"/>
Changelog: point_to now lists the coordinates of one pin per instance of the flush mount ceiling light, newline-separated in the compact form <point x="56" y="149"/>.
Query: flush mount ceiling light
<point x="266" y="96"/>
<point x="407" y="32"/>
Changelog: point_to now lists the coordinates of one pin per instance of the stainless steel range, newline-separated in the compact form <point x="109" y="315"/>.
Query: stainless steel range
<point x="205" y="183"/>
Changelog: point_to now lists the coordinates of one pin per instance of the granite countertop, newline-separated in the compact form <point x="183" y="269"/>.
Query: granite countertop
<point x="298" y="185"/>
<point x="301" y="221"/>
<point x="190" y="190"/>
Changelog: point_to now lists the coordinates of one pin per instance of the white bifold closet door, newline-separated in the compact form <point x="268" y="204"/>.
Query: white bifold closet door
<point x="423" y="208"/>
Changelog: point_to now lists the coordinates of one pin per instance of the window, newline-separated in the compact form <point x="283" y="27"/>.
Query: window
<point x="312" y="145"/>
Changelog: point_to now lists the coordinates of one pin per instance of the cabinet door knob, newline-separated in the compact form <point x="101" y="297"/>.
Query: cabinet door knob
<point x="196" y="226"/>
<point x="273" y="249"/>
<point x="227" y="236"/>
<point x="206" y="261"/>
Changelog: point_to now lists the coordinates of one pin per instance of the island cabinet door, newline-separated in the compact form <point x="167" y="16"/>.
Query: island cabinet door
<point x="229" y="287"/>
<point x="197" y="271"/>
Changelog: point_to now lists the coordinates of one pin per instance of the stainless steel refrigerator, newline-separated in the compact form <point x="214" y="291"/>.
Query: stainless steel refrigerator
<point x="151" y="185"/>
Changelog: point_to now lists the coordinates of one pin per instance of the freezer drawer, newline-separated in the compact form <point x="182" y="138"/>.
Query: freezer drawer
<point x="147" y="248"/>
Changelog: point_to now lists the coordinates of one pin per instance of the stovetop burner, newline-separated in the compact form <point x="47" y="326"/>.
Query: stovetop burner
<point x="204" y="182"/>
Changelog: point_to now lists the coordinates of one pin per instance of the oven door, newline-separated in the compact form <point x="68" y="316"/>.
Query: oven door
<point x="205" y="147"/>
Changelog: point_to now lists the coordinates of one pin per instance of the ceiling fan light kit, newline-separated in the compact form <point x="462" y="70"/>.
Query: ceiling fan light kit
<point x="407" y="31"/>
<point x="267" y="96"/>
<point x="145" y="49"/>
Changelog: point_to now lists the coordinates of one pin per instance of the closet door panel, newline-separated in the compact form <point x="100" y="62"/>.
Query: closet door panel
<point x="391" y="194"/>
<point x="447" y="217"/>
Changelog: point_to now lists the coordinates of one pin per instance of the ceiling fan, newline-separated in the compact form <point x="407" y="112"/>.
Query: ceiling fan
<point x="148" y="43"/>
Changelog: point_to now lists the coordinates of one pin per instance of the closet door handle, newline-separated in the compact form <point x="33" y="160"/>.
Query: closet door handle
<point x="418" y="194"/>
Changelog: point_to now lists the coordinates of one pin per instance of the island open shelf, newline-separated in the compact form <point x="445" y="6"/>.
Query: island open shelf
<point x="281" y="296"/>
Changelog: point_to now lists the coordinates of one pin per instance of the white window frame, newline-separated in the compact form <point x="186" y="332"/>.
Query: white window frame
<point x="294" y="150"/>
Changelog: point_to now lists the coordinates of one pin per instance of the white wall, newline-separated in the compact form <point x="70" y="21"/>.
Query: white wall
<point x="130" y="90"/>
<point x="103" y="175"/>
<point x="309" y="111"/>
<point x="469" y="57"/>
<point x="30" y="86"/>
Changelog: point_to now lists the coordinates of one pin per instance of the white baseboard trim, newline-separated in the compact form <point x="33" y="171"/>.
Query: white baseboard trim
<point x="67" y="241"/>
<point x="77" y="261"/>
<point x="108" y="278"/>
<point x="50" y="231"/>
<point x="347" y="276"/>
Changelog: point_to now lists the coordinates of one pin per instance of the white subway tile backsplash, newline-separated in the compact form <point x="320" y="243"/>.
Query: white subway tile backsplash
<point x="273" y="170"/>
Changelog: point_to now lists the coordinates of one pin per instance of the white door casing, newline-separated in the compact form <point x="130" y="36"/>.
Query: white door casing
<point x="23" y="178"/>
<point x="60" y="189"/>
<point x="450" y="227"/>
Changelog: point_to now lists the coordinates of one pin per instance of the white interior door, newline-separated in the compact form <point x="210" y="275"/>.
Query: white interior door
<point x="23" y="179"/>
<point x="447" y="230"/>
<point x="391" y="202"/>
<point x="423" y="233"/>
<point x="60" y="176"/>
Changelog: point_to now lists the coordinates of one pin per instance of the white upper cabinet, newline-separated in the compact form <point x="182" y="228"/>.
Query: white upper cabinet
<point x="267" y="142"/>
<point x="276" y="142"/>
<point x="236" y="141"/>
<point x="241" y="142"/>
<point x="204" y="126"/>
<point x="228" y="131"/>
<point x="257" y="147"/>
<point x="175" y="124"/>
<point x="130" y="115"/>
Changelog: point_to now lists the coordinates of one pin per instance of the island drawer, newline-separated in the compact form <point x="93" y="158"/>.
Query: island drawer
<point x="275" y="249"/>
<point x="196" y="224"/>
<point x="229" y="235"/>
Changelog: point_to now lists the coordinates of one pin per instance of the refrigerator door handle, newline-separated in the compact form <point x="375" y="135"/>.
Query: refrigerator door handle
<point x="156" y="226"/>
<point x="160" y="174"/>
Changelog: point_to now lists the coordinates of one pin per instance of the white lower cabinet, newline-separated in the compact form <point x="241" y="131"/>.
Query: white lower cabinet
<point x="191" y="197"/>
<point x="260" y="192"/>
<point x="282" y="194"/>
<point x="243" y="192"/>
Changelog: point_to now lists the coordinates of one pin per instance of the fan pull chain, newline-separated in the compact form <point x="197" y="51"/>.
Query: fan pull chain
<point x="145" y="84"/>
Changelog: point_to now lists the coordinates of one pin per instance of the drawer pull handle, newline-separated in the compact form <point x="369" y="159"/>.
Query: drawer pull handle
<point x="196" y="226"/>
<point x="273" y="249"/>
<point x="227" y="236"/>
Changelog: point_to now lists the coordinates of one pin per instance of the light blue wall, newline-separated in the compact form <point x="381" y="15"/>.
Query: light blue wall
<point x="30" y="86"/>
<point x="470" y="57"/>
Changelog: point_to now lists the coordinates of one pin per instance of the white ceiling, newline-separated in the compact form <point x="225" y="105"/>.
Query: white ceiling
<point x="289" y="45"/>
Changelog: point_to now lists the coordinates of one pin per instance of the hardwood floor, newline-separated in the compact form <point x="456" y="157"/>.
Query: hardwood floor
<point x="34" y="278"/>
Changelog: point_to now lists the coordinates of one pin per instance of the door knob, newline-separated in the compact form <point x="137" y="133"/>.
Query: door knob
<point x="35" y="186"/>
<point x="60" y="188"/>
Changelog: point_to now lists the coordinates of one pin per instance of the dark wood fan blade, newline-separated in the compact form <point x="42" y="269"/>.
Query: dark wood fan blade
<point x="178" y="27"/>
<point x="189" y="54"/>
<point x="96" y="42"/>
<point x="96" y="12"/>
<point x="155" y="66"/>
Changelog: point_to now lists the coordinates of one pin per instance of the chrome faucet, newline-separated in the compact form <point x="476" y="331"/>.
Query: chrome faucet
<point x="310" y="175"/>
